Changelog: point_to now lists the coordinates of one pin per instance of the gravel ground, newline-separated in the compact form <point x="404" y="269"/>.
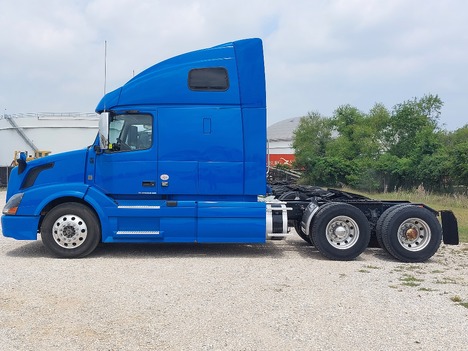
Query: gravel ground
<point x="278" y="296"/>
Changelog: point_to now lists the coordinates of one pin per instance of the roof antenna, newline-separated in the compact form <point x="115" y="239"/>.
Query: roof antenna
<point x="105" y="65"/>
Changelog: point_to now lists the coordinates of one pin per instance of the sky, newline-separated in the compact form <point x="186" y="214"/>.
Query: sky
<point x="319" y="54"/>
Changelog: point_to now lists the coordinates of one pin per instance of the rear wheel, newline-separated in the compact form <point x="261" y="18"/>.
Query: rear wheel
<point x="380" y="222"/>
<point x="300" y="232"/>
<point x="340" y="231"/>
<point x="411" y="234"/>
<point x="70" y="230"/>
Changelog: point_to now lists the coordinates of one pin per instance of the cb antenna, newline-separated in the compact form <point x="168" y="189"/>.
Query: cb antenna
<point x="105" y="65"/>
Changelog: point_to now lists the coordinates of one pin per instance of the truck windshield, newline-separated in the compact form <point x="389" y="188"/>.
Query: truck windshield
<point x="130" y="132"/>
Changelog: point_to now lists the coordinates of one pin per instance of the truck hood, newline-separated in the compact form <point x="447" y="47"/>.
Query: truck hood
<point x="66" y="167"/>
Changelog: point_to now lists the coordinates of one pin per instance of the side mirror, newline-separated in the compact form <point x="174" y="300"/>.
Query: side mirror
<point x="104" y="130"/>
<point x="22" y="162"/>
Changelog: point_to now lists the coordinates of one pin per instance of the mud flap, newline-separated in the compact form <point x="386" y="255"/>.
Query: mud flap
<point x="449" y="227"/>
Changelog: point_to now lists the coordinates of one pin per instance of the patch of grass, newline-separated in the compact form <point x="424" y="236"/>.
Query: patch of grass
<point x="446" y="280"/>
<point x="363" y="271"/>
<point x="459" y="301"/>
<point x="372" y="267"/>
<point x="427" y="289"/>
<point x="399" y="268"/>
<point x="410" y="280"/>
<point x="412" y="284"/>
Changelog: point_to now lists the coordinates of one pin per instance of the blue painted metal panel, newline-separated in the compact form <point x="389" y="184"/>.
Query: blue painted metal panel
<point x="20" y="227"/>
<point x="178" y="177"/>
<point x="102" y="204"/>
<point x="14" y="183"/>
<point x="231" y="222"/>
<point x="179" y="230"/>
<point x="249" y="57"/>
<point x="255" y="150"/>
<point x="221" y="178"/>
<point x="197" y="159"/>
<point x="127" y="172"/>
<point x="152" y="220"/>
<point x="182" y="136"/>
<point x="67" y="167"/>
<point x="37" y="198"/>
<point x="166" y="82"/>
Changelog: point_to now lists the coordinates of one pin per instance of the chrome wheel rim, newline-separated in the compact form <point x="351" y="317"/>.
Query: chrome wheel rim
<point x="70" y="231"/>
<point x="342" y="232"/>
<point x="414" y="234"/>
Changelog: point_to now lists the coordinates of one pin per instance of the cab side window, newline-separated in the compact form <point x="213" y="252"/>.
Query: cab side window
<point x="131" y="132"/>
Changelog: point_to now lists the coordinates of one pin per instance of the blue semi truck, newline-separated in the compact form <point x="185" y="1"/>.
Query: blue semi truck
<point x="181" y="157"/>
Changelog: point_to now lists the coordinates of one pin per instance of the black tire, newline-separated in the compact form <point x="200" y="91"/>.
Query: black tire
<point x="70" y="230"/>
<point x="411" y="234"/>
<point x="299" y="231"/>
<point x="340" y="231"/>
<point x="380" y="222"/>
<point x="293" y="195"/>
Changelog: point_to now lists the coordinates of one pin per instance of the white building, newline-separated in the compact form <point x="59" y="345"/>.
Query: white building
<point x="280" y="138"/>
<point x="54" y="132"/>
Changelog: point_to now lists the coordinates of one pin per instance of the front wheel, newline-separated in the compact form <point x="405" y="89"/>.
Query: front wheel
<point x="340" y="231"/>
<point x="70" y="230"/>
<point x="411" y="234"/>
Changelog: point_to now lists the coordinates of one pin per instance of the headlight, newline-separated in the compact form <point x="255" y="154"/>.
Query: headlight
<point x="12" y="205"/>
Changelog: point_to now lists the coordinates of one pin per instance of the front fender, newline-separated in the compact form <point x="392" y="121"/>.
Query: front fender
<point x="37" y="198"/>
<point x="103" y="205"/>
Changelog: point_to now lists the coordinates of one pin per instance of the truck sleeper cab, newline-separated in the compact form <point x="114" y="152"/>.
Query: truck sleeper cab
<point x="180" y="157"/>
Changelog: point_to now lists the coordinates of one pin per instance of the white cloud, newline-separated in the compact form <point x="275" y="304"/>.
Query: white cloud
<point x="318" y="54"/>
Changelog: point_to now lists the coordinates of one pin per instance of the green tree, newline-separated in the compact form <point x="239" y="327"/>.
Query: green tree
<point x="382" y="150"/>
<point x="457" y="152"/>
<point x="412" y="136"/>
<point x="310" y="141"/>
<point x="359" y="142"/>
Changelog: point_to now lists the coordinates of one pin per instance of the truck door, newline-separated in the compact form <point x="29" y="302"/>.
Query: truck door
<point x="129" y="166"/>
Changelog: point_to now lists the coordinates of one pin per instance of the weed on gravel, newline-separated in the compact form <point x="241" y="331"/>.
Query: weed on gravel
<point x="446" y="280"/>
<point x="427" y="289"/>
<point x="459" y="301"/>
<point x="410" y="280"/>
